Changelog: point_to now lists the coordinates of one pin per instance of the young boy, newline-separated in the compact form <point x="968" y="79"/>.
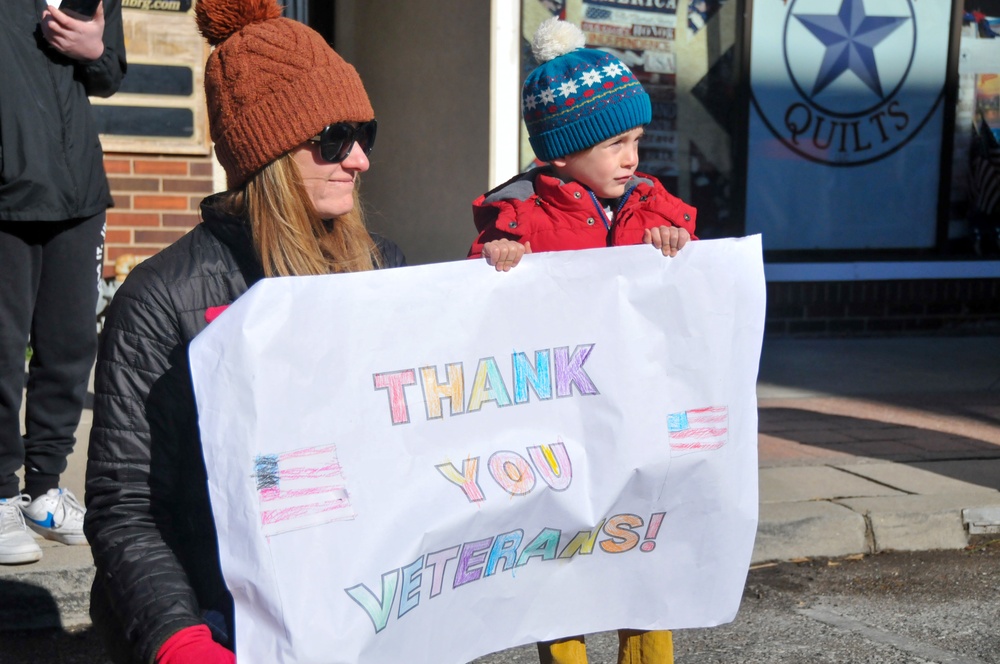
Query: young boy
<point x="585" y="113"/>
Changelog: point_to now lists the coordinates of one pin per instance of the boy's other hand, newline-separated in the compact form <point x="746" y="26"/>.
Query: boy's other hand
<point x="80" y="39"/>
<point x="668" y="239"/>
<point x="505" y="254"/>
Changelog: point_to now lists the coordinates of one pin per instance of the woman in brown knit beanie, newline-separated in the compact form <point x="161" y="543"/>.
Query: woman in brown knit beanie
<point x="292" y="127"/>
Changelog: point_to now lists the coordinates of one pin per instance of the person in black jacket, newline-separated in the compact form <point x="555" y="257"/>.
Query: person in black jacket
<point x="292" y="126"/>
<point x="53" y="198"/>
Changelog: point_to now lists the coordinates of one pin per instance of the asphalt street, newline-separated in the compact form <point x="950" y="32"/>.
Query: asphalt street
<point x="921" y="607"/>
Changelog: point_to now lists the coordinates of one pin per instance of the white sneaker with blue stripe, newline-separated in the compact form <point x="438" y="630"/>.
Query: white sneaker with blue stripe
<point x="56" y="516"/>
<point x="17" y="545"/>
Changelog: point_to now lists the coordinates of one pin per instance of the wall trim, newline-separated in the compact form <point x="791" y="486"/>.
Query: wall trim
<point x="505" y="86"/>
<point x="881" y="271"/>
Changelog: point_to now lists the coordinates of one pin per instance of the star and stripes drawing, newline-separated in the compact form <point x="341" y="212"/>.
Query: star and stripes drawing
<point x="698" y="430"/>
<point x="301" y="489"/>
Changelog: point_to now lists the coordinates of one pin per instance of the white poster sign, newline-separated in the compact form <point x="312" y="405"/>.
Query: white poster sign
<point x="432" y="463"/>
<point x="846" y="122"/>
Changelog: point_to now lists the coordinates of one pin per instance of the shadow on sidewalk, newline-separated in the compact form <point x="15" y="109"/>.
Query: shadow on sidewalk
<point x="789" y="434"/>
<point x="979" y="407"/>
<point x="27" y="606"/>
<point x="31" y="629"/>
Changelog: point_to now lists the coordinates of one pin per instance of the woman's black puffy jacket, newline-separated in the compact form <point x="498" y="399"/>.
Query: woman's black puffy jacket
<point x="148" y="519"/>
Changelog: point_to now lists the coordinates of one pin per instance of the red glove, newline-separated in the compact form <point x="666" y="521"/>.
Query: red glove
<point x="194" y="645"/>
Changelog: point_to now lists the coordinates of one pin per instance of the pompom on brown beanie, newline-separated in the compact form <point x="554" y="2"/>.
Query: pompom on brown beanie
<point x="271" y="84"/>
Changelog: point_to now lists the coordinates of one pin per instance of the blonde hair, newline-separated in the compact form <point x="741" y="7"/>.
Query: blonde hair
<point x="288" y="233"/>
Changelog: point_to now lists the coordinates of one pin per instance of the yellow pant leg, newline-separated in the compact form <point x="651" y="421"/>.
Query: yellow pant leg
<point x="638" y="647"/>
<point x="571" y="650"/>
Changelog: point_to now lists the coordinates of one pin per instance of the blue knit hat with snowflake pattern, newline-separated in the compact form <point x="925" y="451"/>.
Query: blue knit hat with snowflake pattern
<point x="577" y="97"/>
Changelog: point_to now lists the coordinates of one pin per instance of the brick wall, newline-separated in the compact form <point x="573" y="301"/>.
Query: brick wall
<point x="878" y="308"/>
<point x="156" y="202"/>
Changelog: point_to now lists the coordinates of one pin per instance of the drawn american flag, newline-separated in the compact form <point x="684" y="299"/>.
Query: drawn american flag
<point x="698" y="430"/>
<point x="300" y="489"/>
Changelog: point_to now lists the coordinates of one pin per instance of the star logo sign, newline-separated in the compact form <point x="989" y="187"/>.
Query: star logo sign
<point x="846" y="84"/>
<point x="850" y="37"/>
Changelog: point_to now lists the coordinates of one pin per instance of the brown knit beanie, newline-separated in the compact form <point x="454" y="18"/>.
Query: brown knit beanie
<point x="271" y="84"/>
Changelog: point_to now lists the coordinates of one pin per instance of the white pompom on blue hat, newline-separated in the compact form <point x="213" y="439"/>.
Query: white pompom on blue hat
<point x="577" y="97"/>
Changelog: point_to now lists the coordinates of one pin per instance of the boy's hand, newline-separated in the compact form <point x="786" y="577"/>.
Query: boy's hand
<point x="668" y="239"/>
<point x="505" y="254"/>
<point x="80" y="39"/>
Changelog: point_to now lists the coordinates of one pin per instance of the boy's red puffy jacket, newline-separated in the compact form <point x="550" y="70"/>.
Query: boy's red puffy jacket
<point x="554" y="215"/>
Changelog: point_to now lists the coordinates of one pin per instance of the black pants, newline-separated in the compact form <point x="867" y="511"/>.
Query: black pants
<point x="49" y="276"/>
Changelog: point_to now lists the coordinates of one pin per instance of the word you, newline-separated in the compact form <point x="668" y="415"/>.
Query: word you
<point x="555" y="371"/>
<point x="513" y="472"/>
<point x="481" y="559"/>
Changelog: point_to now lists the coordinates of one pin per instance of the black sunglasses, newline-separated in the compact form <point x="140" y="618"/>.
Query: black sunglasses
<point x="337" y="140"/>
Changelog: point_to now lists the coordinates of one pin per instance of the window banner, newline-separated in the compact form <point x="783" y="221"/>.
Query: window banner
<point x="432" y="463"/>
<point x="643" y="36"/>
<point x="846" y="122"/>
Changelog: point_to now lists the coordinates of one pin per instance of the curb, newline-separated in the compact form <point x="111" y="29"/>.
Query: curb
<point x="864" y="508"/>
<point x="831" y="529"/>
<point x="55" y="592"/>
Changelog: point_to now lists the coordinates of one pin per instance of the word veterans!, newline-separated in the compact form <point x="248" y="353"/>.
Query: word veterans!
<point x="483" y="558"/>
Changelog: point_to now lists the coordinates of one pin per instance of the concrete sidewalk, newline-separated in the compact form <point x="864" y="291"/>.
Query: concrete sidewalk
<point x="865" y="445"/>
<point x="870" y="445"/>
